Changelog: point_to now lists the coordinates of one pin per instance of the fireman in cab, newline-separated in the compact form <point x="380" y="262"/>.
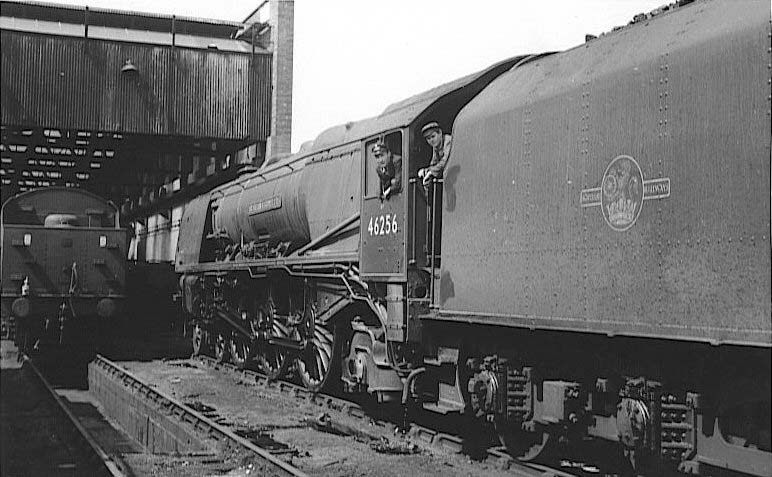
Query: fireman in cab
<point x="440" y="144"/>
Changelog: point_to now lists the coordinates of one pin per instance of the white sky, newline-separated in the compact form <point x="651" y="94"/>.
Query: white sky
<point x="354" y="57"/>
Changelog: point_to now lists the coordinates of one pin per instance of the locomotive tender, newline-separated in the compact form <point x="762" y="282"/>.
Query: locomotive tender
<point x="595" y="263"/>
<point x="63" y="265"/>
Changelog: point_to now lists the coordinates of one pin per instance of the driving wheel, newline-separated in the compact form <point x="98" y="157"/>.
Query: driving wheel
<point x="271" y="359"/>
<point x="316" y="363"/>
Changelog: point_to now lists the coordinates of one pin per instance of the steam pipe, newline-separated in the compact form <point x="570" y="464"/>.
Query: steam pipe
<point x="408" y="381"/>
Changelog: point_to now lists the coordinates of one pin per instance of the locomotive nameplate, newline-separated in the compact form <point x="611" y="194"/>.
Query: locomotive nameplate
<point x="622" y="193"/>
<point x="265" y="205"/>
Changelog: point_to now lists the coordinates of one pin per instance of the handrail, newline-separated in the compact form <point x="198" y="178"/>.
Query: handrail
<point x="328" y="234"/>
<point x="412" y="181"/>
<point x="432" y="237"/>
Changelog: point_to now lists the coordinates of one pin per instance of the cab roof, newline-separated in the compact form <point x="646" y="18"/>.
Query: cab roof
<point x="402" y="113"/>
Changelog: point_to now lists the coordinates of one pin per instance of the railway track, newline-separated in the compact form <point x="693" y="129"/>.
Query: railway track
<point x="271" y="465"/>
<point x="40" y="435"/>
<point x="423" y="436"/>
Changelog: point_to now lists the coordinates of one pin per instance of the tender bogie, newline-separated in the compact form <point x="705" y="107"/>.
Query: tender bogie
<point x="664" y="403"/>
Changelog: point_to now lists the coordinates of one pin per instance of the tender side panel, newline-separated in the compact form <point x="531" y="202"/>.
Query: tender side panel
<point x="684" y="96"/>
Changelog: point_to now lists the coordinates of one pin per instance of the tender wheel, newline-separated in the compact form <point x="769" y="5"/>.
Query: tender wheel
<point x="240" y="350"/>
<point x="317" y="362"/>
<point x="272" y="360"/>
<point x="524" y="445"/>
<point x="221" y="351"/>
<point x="633" y="425"/>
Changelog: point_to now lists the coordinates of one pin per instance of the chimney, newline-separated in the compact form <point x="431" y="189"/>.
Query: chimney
<point x="282" y="23"/>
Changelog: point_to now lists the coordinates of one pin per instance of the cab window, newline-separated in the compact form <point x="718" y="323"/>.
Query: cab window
<point x="383" y="166"/>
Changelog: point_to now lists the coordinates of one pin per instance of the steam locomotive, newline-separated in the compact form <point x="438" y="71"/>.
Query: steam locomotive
<point x="63" y="265"/>
<point x="595" y="263"/>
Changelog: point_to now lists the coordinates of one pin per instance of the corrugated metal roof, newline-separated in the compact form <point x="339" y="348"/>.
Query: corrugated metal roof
<point x="75" y="83"/>
<point x="127" y="35"/>
<point x="115" y="25"/>
<point x="57" y="12"/>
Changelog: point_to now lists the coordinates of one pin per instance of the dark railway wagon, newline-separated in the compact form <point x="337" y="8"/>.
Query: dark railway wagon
<point x="595" y="264"/>
<point x="63" y="269"/>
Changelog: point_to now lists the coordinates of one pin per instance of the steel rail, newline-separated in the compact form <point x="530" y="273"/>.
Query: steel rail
<point x="99" y="461"/>
<point x="424" y="436"/>
<point x="184" y="413"/>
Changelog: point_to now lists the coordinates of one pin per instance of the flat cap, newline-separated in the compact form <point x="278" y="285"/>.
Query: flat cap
<point x="429" y="126"/>
<point x="380" y="148"/>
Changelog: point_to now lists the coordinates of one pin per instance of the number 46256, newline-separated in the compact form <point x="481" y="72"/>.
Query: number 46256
<point x="382" y="225"/>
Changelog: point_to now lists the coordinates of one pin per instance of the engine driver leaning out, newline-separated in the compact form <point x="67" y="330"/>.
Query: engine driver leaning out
<point x="389" y="169"/>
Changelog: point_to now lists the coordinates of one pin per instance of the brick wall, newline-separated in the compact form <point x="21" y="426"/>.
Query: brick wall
<point x="282" y="23"/>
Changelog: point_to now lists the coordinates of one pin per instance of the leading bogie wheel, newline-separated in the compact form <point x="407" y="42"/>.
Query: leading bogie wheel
<point x="221" y="348"/>
<point x="240" y="350"/>
<point x="198" y="339"/>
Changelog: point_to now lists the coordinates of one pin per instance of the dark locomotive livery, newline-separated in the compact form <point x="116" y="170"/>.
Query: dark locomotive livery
<point x="63" y="262"/>
<point x="595" y="263"/>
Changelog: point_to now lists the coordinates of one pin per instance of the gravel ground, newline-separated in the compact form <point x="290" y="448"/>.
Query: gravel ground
<point x="281" y="419"/>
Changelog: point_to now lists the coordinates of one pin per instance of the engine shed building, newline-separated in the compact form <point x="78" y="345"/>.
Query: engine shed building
<point x="145" y="110"/>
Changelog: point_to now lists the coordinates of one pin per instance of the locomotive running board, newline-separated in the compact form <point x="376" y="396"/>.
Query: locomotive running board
<point x="259" y="266"/>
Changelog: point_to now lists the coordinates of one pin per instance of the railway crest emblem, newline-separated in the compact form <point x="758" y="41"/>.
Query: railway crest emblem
<point x="622" y="193"/>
